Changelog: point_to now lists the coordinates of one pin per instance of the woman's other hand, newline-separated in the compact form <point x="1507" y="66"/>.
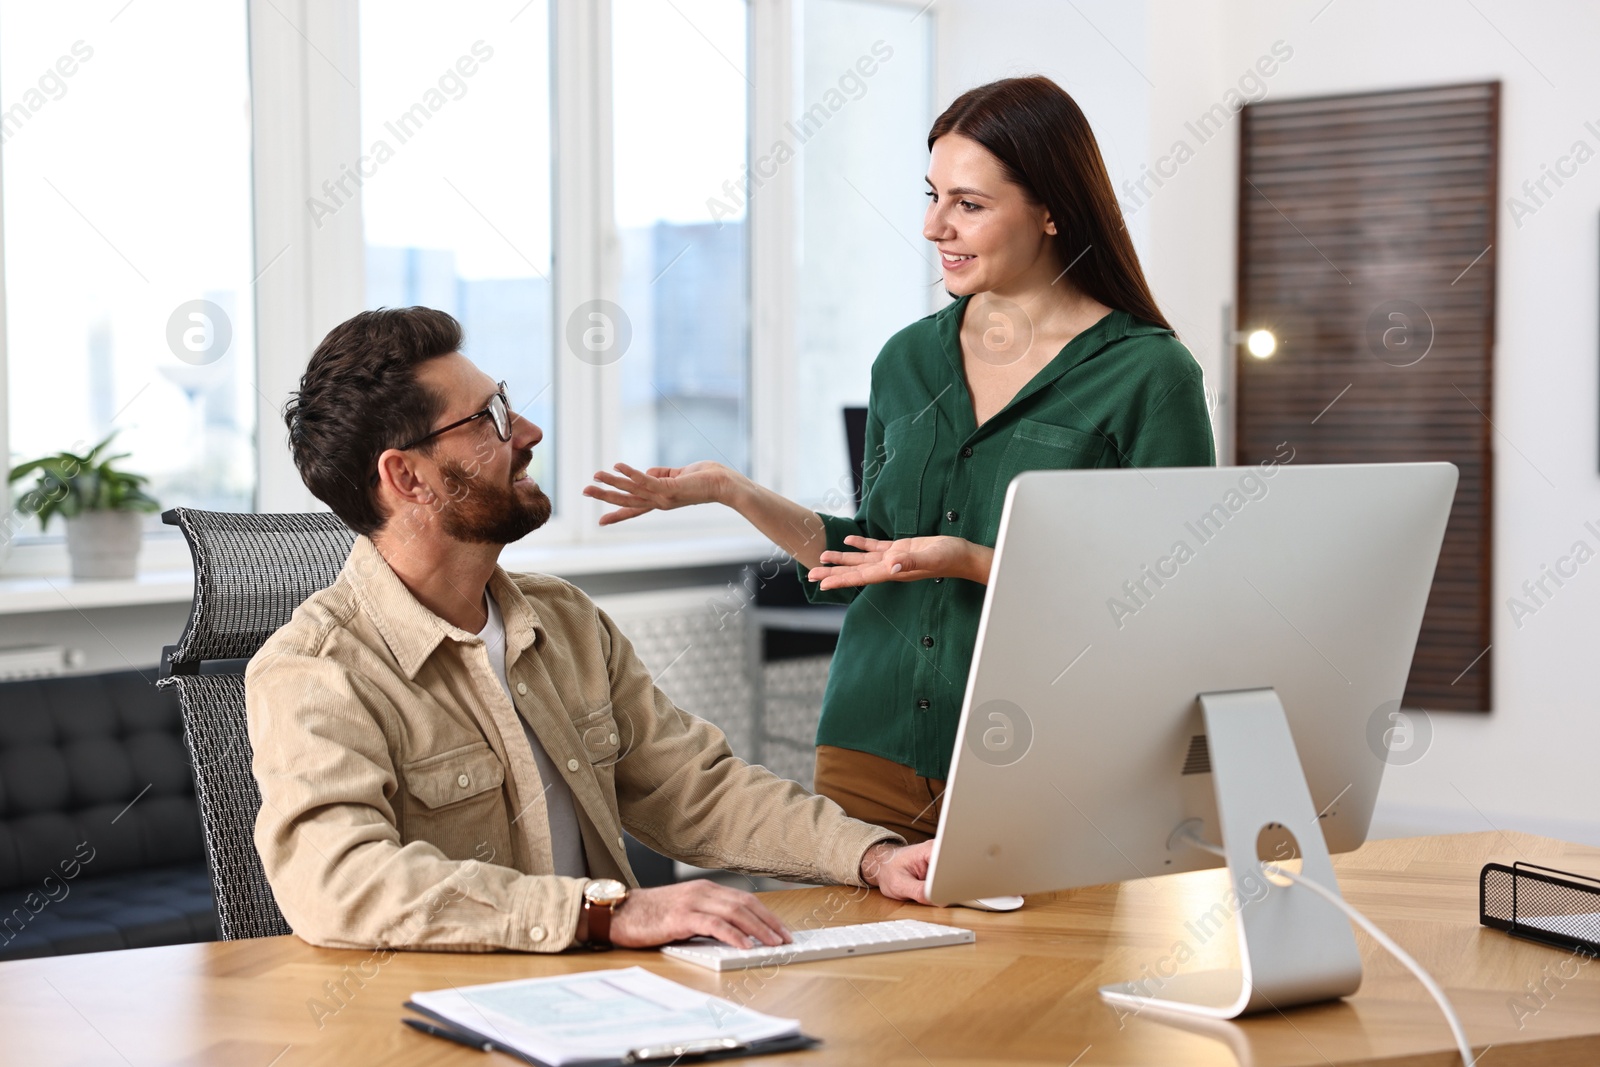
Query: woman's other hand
<point x="635" y="492"/>
<point x="910" y="559"/>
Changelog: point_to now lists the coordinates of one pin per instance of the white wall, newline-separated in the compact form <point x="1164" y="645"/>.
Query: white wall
<point x="1530" y="763"/>
<point x="1094" y="49"/>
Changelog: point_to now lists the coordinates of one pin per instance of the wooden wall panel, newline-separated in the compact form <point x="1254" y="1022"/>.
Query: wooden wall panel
<point x="1366" y="234"/>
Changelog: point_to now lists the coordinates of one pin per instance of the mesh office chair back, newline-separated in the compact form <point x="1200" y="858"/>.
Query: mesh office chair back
<point x="250" y="573"/>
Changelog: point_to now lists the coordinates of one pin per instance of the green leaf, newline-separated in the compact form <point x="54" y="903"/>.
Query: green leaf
<point x="25" y="469"/>
<point x="94" y="453"/>
<point x="68" y="484"/>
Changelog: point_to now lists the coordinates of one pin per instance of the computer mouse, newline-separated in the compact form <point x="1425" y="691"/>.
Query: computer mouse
<point x="993" y="903"/>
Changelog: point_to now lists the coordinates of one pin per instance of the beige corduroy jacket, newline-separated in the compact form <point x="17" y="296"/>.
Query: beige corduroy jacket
<point x="401" y="804"/>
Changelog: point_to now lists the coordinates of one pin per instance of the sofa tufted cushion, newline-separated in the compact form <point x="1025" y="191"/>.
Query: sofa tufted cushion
<point x="96" y="758"/>
<point x="138" y="909"/>
<point x="35" y="778"/>
<point x="100" y="839"/>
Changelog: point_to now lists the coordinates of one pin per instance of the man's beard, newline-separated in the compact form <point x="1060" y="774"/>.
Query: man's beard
<point x="483" y="513"/>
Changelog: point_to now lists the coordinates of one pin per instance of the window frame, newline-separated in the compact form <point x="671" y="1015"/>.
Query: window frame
<point x="305" y="118"/>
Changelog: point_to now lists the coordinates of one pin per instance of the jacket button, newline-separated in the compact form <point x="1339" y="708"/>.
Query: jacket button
<point x="952" y="516"/>
<point x="936" y="581"/>
<point x="463" y="781"/>
<point x="536" y="933"/>
<point x="621" y="843"/>
<point x="927" y="641"/>
<point x="572" y="764"/>
<point x="924" y="704"/>
<point x="966" y="453"/>
<point x="522" y="688"/>
<point x="613" y="739"/>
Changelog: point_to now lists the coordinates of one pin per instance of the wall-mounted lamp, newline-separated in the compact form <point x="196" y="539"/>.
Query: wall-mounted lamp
<point x="1261" y="343"/>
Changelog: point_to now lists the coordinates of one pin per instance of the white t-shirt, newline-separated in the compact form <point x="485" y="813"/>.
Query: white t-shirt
<point x="566" y="840"/>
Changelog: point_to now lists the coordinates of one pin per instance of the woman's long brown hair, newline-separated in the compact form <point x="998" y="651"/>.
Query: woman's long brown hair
<point x="1041" y="138"/>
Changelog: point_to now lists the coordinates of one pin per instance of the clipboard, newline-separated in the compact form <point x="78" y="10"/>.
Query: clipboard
<point x="716" y="1048"/>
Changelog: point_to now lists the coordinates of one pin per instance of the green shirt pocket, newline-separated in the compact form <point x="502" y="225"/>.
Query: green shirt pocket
<point x="1041" y="446"/>
<point x="1057" y="447"/>
<point x="894" y="500"/>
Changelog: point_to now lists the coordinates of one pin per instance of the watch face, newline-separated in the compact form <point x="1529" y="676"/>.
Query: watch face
<point x="605" y="891"/>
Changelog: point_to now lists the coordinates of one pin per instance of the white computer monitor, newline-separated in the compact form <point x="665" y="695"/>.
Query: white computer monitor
<point x="1217" y="648"/>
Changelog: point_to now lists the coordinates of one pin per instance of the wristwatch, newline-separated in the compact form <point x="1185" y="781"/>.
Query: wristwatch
<point x="601" y="898"/>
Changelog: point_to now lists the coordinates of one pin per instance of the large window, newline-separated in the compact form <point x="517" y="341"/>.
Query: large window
<point x="128" y="247"/>
<point x="680" y="86"/>
<point x="455" y="198"/>
<point x="865" y="269"/>
<point x="678" y="229"/>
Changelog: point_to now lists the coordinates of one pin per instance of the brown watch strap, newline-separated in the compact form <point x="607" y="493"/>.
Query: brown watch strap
<point x="599" y="916"/>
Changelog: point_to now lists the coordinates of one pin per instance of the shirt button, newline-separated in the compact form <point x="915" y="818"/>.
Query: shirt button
<point x="572" y="764"/>
<point x="522" y="688"/>
<point x="952" y="516"/>
<point x="536" y="933"/>
<point x="463" y="781"/>
<point x="966" y="453"/>
<point x="613" y="739"/>
<point x="936" y="581"/>
<point x="924" y="704"/>
<point x="621" y="843"/>
<point x="927" y="641"/>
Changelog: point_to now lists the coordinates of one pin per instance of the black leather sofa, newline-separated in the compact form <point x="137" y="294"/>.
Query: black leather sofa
<point x="100" y="841"/>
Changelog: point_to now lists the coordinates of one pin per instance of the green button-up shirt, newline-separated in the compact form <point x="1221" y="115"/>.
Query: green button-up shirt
<point x="1123" y="393"/>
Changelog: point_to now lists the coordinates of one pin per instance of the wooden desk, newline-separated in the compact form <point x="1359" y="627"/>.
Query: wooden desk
<point x="1025" y="993"/>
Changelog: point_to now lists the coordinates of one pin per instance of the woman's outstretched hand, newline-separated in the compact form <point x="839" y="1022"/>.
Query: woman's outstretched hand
<point x="910" y="559"/>
<point x="635" y="492"/>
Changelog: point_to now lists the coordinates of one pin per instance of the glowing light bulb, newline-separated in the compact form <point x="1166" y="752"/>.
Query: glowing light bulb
<point x="1261" y="343"/>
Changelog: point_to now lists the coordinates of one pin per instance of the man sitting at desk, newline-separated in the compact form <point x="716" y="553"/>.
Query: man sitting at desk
<point x="448" y="754"/>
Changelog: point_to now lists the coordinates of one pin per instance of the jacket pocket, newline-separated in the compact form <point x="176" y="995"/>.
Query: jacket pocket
<point x="455" y="801"/>
<point x="601" y="738"/>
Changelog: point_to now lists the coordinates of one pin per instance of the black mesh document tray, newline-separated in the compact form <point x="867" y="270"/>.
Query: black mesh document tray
<point x="1542" y="904"/>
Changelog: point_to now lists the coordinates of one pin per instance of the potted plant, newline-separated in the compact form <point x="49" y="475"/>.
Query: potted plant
<point x="100" y="504"/>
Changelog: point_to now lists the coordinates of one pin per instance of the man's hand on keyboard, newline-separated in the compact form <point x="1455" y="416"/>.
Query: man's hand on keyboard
<point x="898" y="871"/>
<point x="694" y="909"/>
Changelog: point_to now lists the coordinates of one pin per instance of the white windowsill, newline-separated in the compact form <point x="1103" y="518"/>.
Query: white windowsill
<point x="621" y="556"/>
<point x="24" y="594"/>
<point x="20" y="594"/>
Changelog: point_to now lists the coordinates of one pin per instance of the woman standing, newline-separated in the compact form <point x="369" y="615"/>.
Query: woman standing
<point x="1053" y="355"/>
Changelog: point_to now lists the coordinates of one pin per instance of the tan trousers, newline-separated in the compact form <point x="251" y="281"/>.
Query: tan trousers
<point x="880" y="791"/>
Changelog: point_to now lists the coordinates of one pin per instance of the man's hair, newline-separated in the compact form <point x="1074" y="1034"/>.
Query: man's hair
<point x="359" y="396"/>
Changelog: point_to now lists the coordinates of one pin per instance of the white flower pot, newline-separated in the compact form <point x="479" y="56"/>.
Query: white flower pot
<point x="104" y="544"/>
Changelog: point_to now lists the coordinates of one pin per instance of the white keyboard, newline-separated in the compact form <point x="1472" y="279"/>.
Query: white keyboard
<point x="829" y="943"/>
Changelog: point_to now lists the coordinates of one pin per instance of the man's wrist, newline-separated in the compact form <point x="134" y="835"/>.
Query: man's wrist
<point x="874" y="859"/>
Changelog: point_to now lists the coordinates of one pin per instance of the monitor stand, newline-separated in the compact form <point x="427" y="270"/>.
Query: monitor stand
<point x="1294" y="948"/>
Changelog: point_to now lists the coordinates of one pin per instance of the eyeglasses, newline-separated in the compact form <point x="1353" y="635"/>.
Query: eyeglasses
<point x="497" y="412"/>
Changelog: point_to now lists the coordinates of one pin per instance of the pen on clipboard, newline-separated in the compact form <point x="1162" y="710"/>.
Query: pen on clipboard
<point x="647" y="1054"/>
<point x="450" y="1035"/>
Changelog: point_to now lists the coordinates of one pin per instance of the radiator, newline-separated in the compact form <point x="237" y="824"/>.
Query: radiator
<point x="39" y="661"/>
<point x="704" y="650"/>
<point x="791" y="711"/>
<point x="700" y="646"/>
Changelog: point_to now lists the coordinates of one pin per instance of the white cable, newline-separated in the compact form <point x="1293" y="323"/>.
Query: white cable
<point x="1190" y="834"/>
<point x="1433" y="988"/>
